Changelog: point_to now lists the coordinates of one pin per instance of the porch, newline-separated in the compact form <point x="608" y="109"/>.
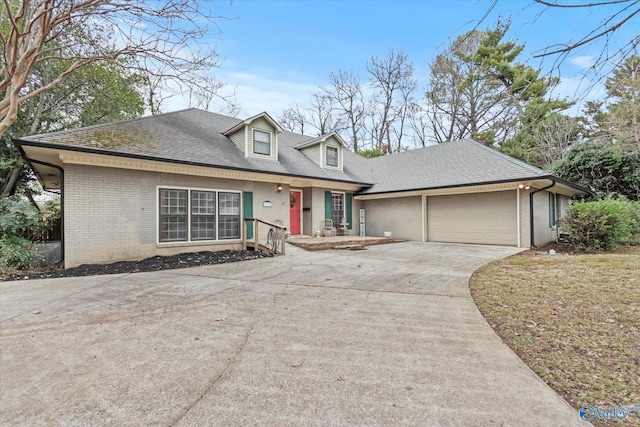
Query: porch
<point x="336" y="242"/>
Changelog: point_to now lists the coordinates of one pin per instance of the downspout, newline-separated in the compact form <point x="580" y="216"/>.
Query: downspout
<point x="61" y="202"/>
<point x="531" y="228"/>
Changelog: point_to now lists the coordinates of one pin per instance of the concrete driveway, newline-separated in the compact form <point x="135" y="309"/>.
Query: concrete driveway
<point x="385" y="336"/>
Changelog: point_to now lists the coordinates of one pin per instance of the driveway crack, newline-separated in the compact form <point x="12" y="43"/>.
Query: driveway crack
<point x="231" y="361"/>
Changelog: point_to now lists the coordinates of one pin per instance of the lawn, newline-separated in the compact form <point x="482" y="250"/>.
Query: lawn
<point x="574" y="319"/>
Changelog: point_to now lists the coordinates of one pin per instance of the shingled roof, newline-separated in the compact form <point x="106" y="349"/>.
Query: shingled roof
<point x="193" y="137"/>
<point x="197" y="137"/>
<point x="451" y="164"/>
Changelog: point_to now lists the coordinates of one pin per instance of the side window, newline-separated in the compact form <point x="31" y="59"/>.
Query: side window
<point x="552" y="210"/>
<point x="261" y="142"/>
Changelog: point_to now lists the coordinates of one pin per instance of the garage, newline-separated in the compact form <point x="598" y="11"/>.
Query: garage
<point x="485" y="218"/>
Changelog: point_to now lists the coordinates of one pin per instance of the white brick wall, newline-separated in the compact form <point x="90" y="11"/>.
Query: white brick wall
<point x="111" y="214"/>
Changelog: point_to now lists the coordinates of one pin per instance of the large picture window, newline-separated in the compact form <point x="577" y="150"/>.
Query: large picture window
<point x="194" y="215"/>
<point x="261" y="142"/>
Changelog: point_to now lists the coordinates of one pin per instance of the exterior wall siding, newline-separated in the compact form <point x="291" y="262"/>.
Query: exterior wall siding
<point x="124" y="205"/>
<point x="402" y="216"/>
<point x="313" y="153"/>
<point x="238" y="139"/>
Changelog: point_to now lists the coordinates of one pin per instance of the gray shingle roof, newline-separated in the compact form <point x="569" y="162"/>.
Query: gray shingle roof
<point x="197" y="137"/>
<point x="457" y="163"/>
<point x="191" y="137"/>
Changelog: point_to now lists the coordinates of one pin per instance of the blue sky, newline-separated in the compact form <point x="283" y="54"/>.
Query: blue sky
<point x="278" y="52"/>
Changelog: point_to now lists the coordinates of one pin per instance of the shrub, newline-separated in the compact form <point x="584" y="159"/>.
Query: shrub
<point x="602" y="224"/>
<point x="20" y="225"/>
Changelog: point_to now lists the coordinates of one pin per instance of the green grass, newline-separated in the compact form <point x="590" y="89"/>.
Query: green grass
<point x="574" y="319"/>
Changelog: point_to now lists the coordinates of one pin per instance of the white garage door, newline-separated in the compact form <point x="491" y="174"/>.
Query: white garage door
<point x="486" y="218"/>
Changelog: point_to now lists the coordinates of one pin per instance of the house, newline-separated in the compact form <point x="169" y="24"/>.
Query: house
<point x="183" y="182"/>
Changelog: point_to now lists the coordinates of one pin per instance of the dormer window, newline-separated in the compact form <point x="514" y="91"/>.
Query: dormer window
<point x="261" y="142"/>
<point x="332" y="156"/>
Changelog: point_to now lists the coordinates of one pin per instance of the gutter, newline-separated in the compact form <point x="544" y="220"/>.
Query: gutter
<point x="61" y="170"/>
<point x="531" y="227"/>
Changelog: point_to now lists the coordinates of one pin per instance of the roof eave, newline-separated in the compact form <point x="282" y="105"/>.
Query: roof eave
<point x="473" y="184"/>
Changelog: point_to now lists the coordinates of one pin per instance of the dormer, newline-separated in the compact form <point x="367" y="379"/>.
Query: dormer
<point x="257" y="137"/>
<point x="327" y="151"/>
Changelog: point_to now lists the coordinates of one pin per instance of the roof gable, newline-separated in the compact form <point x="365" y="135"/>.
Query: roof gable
<point x="322" y="138"/>
<point x="248" y="121"/>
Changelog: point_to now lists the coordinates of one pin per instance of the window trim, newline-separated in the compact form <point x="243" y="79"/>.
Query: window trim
<point x="262" y="142"/>
<point x="193" y="242"/>
<point x="326" y="156"/>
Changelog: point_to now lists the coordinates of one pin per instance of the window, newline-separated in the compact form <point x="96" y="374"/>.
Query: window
<point x="229" y="215"/>
<point x="192" y="215"/>
<point x="261" y="142"/>
<point x="203" y="215"/>
<point x="337" y="207"/>
<point x="332" y="156"/>
<point x="173" y="215"/>
<point x="554" y="209"/>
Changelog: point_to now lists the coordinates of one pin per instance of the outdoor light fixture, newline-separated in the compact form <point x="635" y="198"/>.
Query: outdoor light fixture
<point x="279" y="187"/>
<point x="526" y="186"/>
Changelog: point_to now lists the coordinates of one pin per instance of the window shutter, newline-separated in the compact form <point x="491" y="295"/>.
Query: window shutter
<point x="552" y="209"/>
<point x="247" y="201"/>
<point x="349" y="212"/>
<point x="327" y="205"/>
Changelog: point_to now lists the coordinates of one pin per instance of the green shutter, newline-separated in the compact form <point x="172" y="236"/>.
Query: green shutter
<point x="552" y="209"/>
<point x="247" y="201"/>
<point x="327" y="205"/>
<point x="350" y="210"/>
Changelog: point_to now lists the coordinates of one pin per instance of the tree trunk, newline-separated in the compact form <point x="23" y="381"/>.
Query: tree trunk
<point x="11" y="182"/>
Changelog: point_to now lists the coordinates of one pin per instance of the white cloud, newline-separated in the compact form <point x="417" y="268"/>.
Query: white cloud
<point x="578" y="89"/>
<point x="582" y="61"/>
<point x="254" y="94"/>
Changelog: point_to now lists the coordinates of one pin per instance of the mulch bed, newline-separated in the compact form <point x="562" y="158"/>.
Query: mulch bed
<point x="155" y="263"/>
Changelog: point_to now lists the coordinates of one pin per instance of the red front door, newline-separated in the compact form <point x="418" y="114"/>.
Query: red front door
<point x="295" y="199"/>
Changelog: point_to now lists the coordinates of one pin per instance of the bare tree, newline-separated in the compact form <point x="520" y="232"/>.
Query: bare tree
<point x="461" y="102"/>
<point x="616" y="14"/>
<point x="393" y="79"/>
<point x="345" y="91"/>
<point x="159" y="38"/>
<point x="293" y="119"/>
<point x="322" y="115"/>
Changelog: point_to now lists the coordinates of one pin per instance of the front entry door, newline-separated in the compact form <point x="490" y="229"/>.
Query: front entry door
<point x="294" y="211"/>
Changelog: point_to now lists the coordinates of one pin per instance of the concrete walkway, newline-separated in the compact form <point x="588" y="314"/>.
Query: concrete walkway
<point x="386" y="336"/>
